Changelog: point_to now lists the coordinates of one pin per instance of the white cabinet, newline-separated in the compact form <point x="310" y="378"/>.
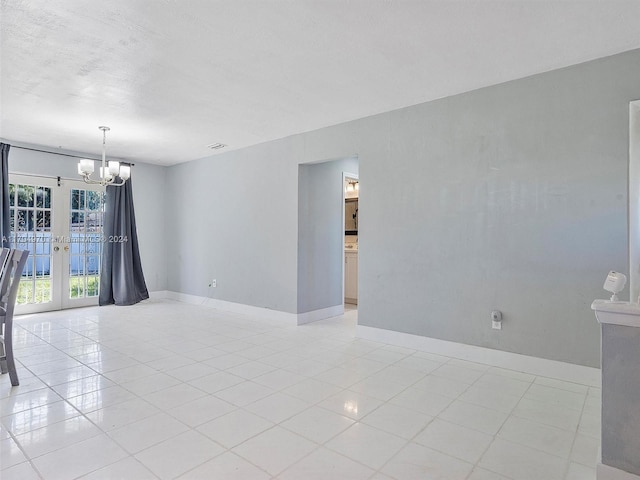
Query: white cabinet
<point x="351" y="277"/>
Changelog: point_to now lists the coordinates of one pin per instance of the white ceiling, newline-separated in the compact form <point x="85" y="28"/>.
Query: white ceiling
<point x="170" y="77"/>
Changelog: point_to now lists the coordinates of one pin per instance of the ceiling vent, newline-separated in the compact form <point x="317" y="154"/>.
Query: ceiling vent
<point x="216" y="146"/>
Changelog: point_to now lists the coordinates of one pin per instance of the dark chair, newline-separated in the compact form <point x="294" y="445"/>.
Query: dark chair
<point x="9" y="283"/>
<point x="4" y="256"/>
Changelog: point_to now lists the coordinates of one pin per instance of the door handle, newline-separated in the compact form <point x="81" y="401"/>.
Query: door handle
<point x="66" y="248"/>
<point x="56" y="248"/>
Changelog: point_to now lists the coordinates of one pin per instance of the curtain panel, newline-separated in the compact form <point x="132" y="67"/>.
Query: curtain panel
<point x="5" y="212"/>
<point x="121" y="278"/>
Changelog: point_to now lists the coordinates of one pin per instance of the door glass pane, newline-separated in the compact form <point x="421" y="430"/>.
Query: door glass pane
<point x="43" y="197"/>
<point x="25" y="195"/>
<point x="86" y="217"/>
<point x="30" y="207"/>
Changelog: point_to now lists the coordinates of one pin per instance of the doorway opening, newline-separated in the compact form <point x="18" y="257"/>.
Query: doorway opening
<point x="321" y="237"/>
<point x="351" y="195"/>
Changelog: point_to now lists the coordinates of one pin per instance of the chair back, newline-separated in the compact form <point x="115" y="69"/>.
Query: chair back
<point x="5" y="276"/>
<point x="10" y="279"/>
<point x="4" y="255"/>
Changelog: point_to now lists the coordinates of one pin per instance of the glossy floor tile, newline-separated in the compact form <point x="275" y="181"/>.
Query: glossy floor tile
<point x="127" y="393"/>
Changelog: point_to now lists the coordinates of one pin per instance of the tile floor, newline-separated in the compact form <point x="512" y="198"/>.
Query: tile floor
<point x="164" y="390"/>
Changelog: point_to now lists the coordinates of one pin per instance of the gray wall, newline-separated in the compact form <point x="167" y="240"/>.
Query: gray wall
<point x="321" y="233"/>
<point x="620" y="391"/>
<point x="148" y="185"/>
<point x="512" y="197"/>
<point x="234" y="218"/>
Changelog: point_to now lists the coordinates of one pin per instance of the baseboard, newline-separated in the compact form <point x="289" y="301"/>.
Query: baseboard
<point x="497" y="358"/>
<point x="238" y="308"/>
<point x="606" y="472"/>
<point x="159" y="294"/>
<point x="321" y="314"/>
<point x="250" y="310"/>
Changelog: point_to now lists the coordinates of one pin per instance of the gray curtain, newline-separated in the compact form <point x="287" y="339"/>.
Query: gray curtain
<point x="121" y="278"/>
<point x="5" y="223"/>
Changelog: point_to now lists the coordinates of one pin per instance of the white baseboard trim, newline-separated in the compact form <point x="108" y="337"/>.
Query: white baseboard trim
<point x="158" y="295"/>
<point x="321" y="314"/>
<point x="250" y="310"/>
<point x="238" y="308"/>
<point x="605" y="472"/>
<point x="497" y="358"/>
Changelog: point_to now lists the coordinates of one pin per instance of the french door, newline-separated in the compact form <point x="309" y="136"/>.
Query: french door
<point x="60" y="222"/>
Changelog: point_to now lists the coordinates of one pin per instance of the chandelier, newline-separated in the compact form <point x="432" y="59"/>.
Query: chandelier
<point x="108" y="171"/>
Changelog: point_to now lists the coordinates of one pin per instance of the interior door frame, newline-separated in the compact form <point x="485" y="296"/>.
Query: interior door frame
<point x="633" y="219"/>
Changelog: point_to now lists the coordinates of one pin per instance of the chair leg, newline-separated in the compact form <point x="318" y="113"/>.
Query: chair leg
<point x="3" y="361"/>
<point x="11" y="364"/>
<point x="13" y="374"/>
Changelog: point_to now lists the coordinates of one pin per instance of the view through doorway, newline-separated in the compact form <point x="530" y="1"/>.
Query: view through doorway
<point x="351" y="195"/>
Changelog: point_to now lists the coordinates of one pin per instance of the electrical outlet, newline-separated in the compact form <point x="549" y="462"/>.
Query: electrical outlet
<point x="213" y="283"/>
<point x="496" y="320"/>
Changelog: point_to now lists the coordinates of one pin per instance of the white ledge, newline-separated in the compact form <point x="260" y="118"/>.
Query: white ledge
<point x="617" y="313"/>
